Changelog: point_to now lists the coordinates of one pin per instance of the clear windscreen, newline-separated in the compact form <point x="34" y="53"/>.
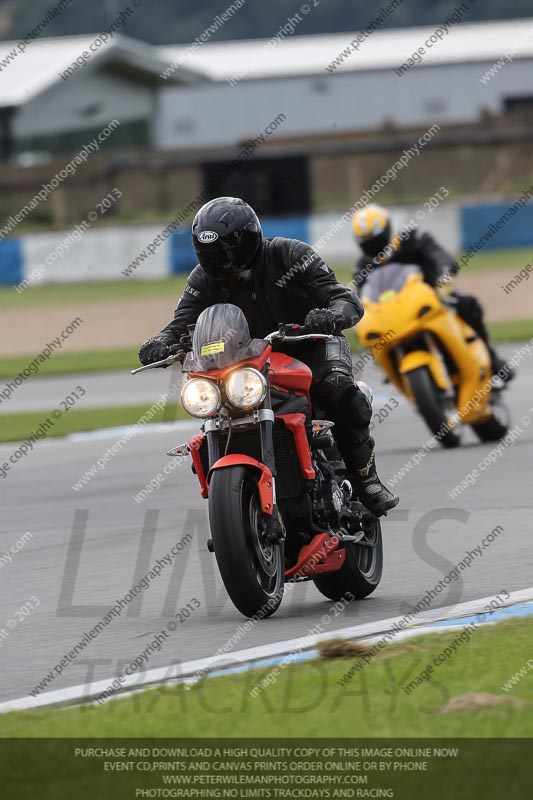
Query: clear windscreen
<point x="387" y="278"/>
<point x="221" y="338"/>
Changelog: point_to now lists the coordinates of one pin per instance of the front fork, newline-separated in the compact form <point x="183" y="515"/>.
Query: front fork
<point x="274" y="530"/>
<point x="442" y="378"/>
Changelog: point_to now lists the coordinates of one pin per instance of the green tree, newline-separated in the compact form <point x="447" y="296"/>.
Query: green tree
<point x="180" y="21"/>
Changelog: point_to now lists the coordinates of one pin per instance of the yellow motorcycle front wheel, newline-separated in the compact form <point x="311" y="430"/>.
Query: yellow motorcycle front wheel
<point x="436" y="410"/>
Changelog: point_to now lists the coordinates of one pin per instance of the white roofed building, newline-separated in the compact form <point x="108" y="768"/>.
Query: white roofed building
<point x="324" y="92"/>
<point x="309" y="55"/>
<point x="57" y="91"/>
<point x="323" y="116"/>
<point x="220" y="94"/>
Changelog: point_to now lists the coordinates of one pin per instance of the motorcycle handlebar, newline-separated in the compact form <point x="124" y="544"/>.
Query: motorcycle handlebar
<point x="278" y="335"/>
<point x="284" y="333"/>
<point x="165" y="362"/>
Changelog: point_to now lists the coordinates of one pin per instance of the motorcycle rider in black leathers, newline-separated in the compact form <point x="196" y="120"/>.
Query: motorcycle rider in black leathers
<point x="374" y="234"/>
<point x="282" y="280"/>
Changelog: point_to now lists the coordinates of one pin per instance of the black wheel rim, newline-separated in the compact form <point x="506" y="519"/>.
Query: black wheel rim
<point x="368" y="550"/>
<point x="265" y="556"/>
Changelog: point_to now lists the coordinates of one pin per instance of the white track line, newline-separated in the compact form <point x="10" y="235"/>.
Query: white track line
<point x="145" y="430"/>
<point x="84" y="693"/>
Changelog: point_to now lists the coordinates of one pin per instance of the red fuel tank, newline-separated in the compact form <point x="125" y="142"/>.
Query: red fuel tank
<point x="290" y="374"/>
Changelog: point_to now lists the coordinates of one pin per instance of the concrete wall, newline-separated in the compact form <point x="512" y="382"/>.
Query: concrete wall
<point x="104" y="254"/>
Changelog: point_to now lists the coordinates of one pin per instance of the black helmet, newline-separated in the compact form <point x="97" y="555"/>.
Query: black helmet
<point x="226" y="236"/>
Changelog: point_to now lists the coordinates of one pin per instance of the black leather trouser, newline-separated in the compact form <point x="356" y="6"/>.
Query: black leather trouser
<point x="336" y="397"/>
<point x="470" y="310"/>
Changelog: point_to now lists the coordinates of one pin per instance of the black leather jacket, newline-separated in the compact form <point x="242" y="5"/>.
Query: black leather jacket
<point x="416" y="248"/>
<point x="288" y="281"/>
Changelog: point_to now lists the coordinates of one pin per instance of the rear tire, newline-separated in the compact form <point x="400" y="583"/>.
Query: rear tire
<point x="361" y="572"/>
<point x="252" y="568"/>
<point x="434" y="409"/>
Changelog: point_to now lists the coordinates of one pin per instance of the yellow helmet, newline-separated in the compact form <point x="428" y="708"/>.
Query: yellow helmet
<point x="372" y="228"/>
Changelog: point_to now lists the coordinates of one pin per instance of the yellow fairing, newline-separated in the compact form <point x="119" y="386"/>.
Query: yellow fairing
<point x="417" y="309"/>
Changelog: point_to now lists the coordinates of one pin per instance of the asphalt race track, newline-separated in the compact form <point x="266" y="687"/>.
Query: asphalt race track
<point x="78" y="572"/>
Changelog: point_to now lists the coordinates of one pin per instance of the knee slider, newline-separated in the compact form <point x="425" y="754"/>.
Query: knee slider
<point x="331" y="387"/>
<point x="355" y="406"/>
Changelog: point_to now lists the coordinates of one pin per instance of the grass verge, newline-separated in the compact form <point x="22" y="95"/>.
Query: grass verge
<point x="126" y="359"/>
<point x="72" y="363"/>
<point x="514" y="330"/>
<point x="20" y="426"/>
<point x="55" y="294"/>
<point x="513" y="258"/>
<point x="462" y="698"/>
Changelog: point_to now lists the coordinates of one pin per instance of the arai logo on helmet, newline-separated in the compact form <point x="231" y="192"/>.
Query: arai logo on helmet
<point x="206" y="237"/>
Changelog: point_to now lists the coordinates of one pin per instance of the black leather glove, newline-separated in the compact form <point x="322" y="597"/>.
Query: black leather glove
<point x="152" y="350"/>
<point x="322" y="320"/>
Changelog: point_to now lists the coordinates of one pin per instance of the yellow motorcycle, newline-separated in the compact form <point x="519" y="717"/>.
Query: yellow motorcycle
<point x="431" y="355"/>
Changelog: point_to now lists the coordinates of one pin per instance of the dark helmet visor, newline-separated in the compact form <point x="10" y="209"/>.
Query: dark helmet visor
<point x="213" y="259"/>
<point x="376" y="244"/>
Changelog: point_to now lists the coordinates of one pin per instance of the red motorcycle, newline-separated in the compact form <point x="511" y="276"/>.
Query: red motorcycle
<point x="280" y="506"/>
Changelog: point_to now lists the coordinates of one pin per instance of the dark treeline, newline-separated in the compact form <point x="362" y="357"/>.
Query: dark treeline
<point x="181" y="21"/>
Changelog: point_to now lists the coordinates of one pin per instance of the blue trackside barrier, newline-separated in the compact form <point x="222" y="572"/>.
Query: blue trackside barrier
<point x="182" y="256"/>
<point x="485" y="227"/>
<point x="11" y="263"/>
<point x="497" y="225"/>
<point x="289" y="227"/>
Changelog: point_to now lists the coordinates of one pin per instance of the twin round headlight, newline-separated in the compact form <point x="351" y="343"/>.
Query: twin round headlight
<point x="244" y="388"/>
<point x="200" y="397"/>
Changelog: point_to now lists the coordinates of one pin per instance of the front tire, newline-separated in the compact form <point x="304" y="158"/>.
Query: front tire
<point x="361" y="572"/>
<point x="251" y="567"/>
<point x="436" y="411"/>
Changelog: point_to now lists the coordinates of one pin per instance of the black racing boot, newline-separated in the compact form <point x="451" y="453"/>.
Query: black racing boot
<point x="499" y="367"/>
<point x="369" y="489"/>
